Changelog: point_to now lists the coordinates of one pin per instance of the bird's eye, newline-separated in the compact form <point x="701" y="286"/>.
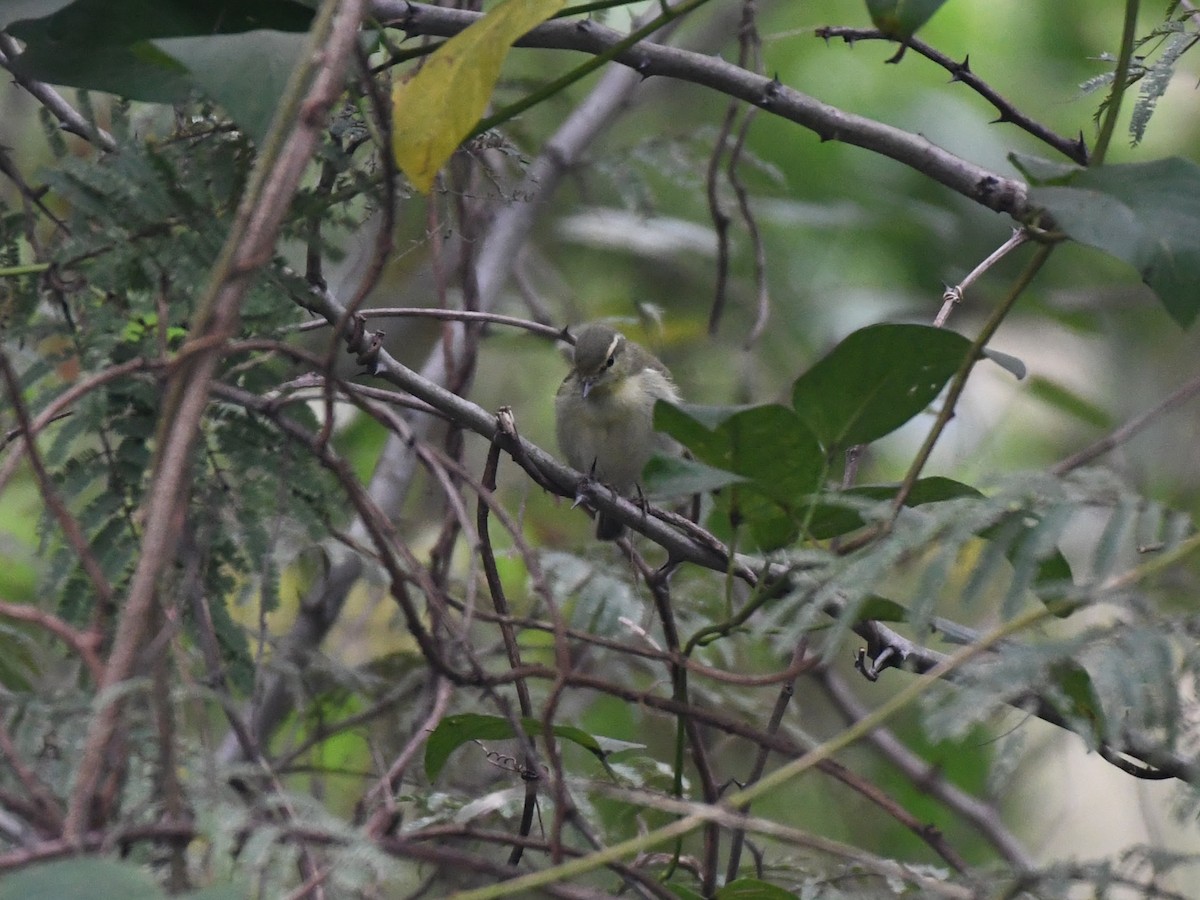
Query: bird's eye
<point x="610" y="362"/>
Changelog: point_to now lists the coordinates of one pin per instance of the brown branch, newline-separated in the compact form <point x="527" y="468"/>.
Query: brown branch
<point x="383" y="820"/>
<point x="52" y="100"/>
<point x="452" y="315"/>
<point x="84" y="643"/>
<point x="500" y="604"/>
<point x="782" y="701"/>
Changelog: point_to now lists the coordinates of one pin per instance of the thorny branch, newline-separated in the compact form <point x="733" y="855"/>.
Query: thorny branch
<point x="829" y="123"/>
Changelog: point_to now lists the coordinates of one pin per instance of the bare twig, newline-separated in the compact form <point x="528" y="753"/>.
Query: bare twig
<point x="1130" y="429"/>
<point x="954" y="294"/>
<point x="70" y="117"/>
<point x="380" y="823"/>
<point x="452" y="315"/>
<point x="84" y="643"/>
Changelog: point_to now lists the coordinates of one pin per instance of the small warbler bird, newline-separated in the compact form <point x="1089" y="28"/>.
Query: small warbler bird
<point x="604" y="412"/>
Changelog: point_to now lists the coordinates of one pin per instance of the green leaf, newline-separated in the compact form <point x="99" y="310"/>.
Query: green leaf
<point x="1078" y="701"/>
<point x="1065" y="400"/>
<point x="436" y="108"/>
<point x="1029" y="543"/>
<point x="76" y="879"/>
<point x="1145" y="214"/>
<point x="753" y="889"/>
<point x="89" y="45"/>
<point x="839" y="513"/>
<point x="769" y="445"/>
<point x="670" y="476"/>
<point x="881" y="609"/>
<point x="454" y="731"/>
<point x="775" y="453"/>
<point x="900" y="19"/>
<point x="245" y="73"/>
<point x="876" y="380"/>
<point x="1043" y="172"/>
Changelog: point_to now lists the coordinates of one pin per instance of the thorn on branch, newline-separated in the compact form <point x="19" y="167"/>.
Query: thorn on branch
<point x="1081" y="149"/>
<point x="961" y="69"/>
<point x="898" y="55"/>
<point x="770" y="92"/>
<point x="408" y="17"/>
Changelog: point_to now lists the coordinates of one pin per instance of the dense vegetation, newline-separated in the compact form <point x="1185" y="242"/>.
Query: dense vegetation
<point x="293" y="599"/>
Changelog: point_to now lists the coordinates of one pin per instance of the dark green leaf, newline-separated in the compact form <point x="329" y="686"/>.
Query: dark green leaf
<point x="454" y="731"/>
<point x="768" y="445"/>
<point x="839" y="513"/>
<point x="89" y="45"/>
<point x="1145" y="214"/>
<point x="245" y="73"/>
<point x="695" y="426"/>
<point x="876" y="380"/>
<point x="1077" y="700"/>
<point x="900" y="19"/>
<point x="881" y="609"/>
<point x="670" y="476"/>
<point x="774" y="452"/>
<point x="1030" y="545"/>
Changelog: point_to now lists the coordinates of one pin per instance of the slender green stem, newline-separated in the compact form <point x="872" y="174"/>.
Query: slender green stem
<point x="758" y="597"/>
<point x="585" y="8"/>
<point x="959" y="382"/>
<point x="28" y="269"/>
<point x="1120" y="79"/>
<point x="585" y="69"/>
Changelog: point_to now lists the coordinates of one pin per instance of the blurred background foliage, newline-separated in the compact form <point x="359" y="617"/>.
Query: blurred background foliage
<point x="850" y="239"/>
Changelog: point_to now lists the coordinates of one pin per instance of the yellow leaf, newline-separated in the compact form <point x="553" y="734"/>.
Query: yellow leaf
<point x="439" y="106"/>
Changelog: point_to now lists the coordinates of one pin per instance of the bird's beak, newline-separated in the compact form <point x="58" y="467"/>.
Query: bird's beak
<point x="585" y="386"/>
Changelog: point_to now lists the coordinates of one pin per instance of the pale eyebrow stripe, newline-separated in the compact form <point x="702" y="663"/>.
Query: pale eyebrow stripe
<point x="612" y="348"/>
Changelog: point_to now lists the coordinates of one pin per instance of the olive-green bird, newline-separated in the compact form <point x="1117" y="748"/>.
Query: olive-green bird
<point x="605" y="412"/>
